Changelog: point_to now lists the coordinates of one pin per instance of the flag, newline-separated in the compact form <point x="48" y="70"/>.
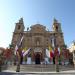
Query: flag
<point x="16" y="48"/>
<point x="61" y="53"/>
<point x="26" y="52"/>
<point x="47" y="53"/>
<point x="59" y="50"/>
<point x="51" y="52"/>
<point x="21" y="41"/>
<point x="56" y="52"/>
<point x="20" y="56"/>
<point x="18" y="45"/>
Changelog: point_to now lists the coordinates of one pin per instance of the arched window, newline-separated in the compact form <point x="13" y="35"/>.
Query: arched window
<point x="19" y="27"/>
<point x="56" y="28"/>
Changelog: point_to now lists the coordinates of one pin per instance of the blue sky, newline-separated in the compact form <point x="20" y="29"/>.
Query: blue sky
<point x="34" y="11"/>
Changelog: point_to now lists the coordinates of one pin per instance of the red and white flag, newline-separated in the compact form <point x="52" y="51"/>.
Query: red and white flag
<point x="18" y="45"/>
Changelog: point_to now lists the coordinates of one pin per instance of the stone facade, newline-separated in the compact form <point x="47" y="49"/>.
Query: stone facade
<point x="38" y="38"/>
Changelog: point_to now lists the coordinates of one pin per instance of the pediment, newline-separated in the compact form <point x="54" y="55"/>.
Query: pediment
<point x="38" y="28"/>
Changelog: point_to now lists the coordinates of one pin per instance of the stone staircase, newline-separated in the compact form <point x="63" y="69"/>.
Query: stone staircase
<point x="39" y="68"/>
<point x="9" y="67"/>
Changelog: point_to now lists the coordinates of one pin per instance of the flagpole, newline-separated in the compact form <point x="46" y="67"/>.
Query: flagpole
<point x="18" y="67"/>
<point x="56" y="57"/>
<point x="18" y="64"/>
<point x="57" y="65"/>
<point x="19" y="55"/>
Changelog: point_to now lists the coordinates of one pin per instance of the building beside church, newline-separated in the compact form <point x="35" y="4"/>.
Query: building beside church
<point x="38" y="38"/>
<point x="72" y="51"/>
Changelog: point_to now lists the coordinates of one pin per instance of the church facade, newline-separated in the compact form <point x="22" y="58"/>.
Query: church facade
<point x="38" y="38"/>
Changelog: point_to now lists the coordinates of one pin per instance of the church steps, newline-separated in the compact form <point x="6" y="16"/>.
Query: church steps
<point x="39" y="68"/>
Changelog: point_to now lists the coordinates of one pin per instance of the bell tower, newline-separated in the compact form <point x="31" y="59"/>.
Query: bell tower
<point x="58" y="34"/>
<point x="56" y="26"/>
<point x="18" y="32"/>
<point x="19" y="26"/>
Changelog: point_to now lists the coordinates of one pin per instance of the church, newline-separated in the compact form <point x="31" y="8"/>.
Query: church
<point x="38" y="39"/>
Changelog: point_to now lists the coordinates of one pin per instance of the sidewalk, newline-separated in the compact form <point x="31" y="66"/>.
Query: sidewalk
<point x="70" y="71"/>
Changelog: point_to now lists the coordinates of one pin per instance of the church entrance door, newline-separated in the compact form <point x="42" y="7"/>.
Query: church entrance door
<point x="37" y="58"/>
